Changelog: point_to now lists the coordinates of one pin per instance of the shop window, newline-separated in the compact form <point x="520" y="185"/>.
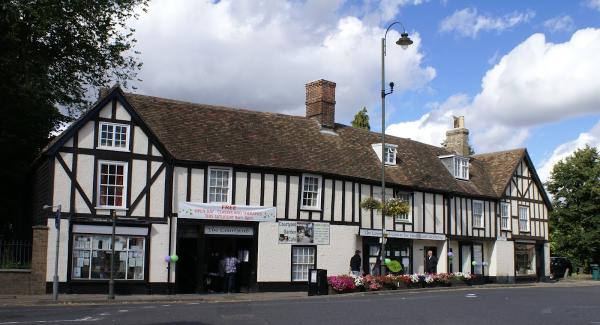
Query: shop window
<point x="303" y="259"/>
<point x="478" y="214"/>
<point x="91" y="257"/>
<point x="525" y="259"/>
<point x="405" y="197"/>
<point x="504" y="216"/>
<point x="219" y="185"/>
<point x="523" y="218"/>
<point x="111" y="184"/>
<point x="311" y="192"/>
<point x="113" y="136"/>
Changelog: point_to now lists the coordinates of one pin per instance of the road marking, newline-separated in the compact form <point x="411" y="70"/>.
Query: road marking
<point x="84" y="319"/>
<point x="105" y="314"/>
<point x="471" y="295"/>
<point x="123" y="311"/>
<point x="193" y="303"/>
<point x="166" y="305"/>
<point x="148" y="307"/>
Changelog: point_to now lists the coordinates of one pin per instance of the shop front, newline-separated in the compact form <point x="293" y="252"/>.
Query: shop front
<point x="529" y="260"/>
<point x="206" y="235"/>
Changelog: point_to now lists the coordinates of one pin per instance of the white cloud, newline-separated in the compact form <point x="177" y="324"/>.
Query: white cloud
<point x="535" y="83"/>
<point x="559" y="24"/>
<point x="594" y="4"/>
<point x="259" y="55"/>
<point x="468" y="23"/>
<point x="590" y="138"/>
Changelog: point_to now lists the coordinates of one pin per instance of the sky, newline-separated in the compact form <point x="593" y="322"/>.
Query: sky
<point x="523" y="73"/>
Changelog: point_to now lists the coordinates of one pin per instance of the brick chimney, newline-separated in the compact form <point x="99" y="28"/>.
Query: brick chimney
<point x="457" y="139"/>
<point x="320" y="102"/>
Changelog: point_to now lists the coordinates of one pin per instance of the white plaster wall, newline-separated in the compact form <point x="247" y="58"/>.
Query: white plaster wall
<point x="138" y="179"/>
<point x="502" y="259"/>
<point x="159" y="248"/>
<point x="197" y="194"/>
<point x="122" y="113"/>
<point x="429" y="212"/>
<point x="337" y="204"/>
<point x="293" y="202"/>
<point x="274" y="260"/>
<point x="348" y="202"/>
<point x="304" y="215"/>
<point x="106" y="111"/>
<point x="240" y="188"/>
<point x="155" y="151"/>
<point x="418" y="208"/>
<point x="255" y="189"/>
<point x="327" y="200"/>
<point x="140" y="141"/>
<point x="268" y="190"/>
<point x="280" y="196"/>
<point x="173" y="229"/>
<point x="547" y="259"/>
<point x="63" y="253"/>
<point x="455" y="265"/>
<point x="157" y="193"/>
<point x="335" y="257"/>
<point x="69" y="143"/>
<point x="442" y="256"/>
<point x="86" y="136"/>
<point x="366" y="219"/>
<point x="85" y="177"/>
<point x="62" y="183"/>
<point x="419" y="254"/>
<point x="179" y="187"/>
<point x="439" y="214"/>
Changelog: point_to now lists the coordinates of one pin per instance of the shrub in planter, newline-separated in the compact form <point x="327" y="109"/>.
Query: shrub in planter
<point x="341" y="283"/>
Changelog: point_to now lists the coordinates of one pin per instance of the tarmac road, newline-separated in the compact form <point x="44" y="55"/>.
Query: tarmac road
<point x="531" y="305"/>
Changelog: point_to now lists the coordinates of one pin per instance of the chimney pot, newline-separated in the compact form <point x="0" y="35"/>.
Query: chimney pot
<point x="457" y="139"/>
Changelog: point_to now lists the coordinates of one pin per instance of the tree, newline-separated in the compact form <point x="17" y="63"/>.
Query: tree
<point x="53" y="53"/>
<point x="361" y="120"/>
<point x="575" y="219"/>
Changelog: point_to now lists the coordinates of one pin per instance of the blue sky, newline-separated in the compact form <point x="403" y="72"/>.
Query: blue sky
<point x="523" y="73"/>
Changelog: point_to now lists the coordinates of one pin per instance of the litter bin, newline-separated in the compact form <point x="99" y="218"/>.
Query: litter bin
<point x="595" y="271"/>
<point x="317" y="282"/>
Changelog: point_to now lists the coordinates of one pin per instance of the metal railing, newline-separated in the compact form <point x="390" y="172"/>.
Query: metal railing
<point x="15" y="254"/>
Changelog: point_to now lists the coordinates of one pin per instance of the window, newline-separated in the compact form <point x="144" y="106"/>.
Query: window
<point x="303" y="259"/>
<point x="504" y="216"/>
<point x="111" y="184"/>
<point x="461" y="168"/>
<point x="219" y="185"/>
<point x="403" y="217"/>
<point x="524" y="219"/>
<point x="113" y="136"/>
<point x="91" y="257"/>
<point x="311" y="192"/>
<point x="478" y="214"/>
<point x="525" y="259"/>
<point x="390" y="154"/>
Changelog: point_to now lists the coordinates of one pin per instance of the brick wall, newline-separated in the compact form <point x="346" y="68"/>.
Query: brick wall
<point x="15" y="282"/>
<point x="39" y="250"/>
<point x="320" y="102"/>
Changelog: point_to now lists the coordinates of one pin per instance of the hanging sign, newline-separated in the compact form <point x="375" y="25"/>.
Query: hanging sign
<point x="401" y="234"/>
<point x="212" y="211"/>
<point x="227" y="230"/>
<point x="301" y="232"/>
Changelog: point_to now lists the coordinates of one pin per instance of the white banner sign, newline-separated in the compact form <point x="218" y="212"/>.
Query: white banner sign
<point x="228" y="230"/>
<point x="212" y="211"/>
<point x="401" y="234"/>
<point x="300" y="232"/>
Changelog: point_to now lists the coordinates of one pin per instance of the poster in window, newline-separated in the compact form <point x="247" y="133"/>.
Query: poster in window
<point x="301" y="232"/>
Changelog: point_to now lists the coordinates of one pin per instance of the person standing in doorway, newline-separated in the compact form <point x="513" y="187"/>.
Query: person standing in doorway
<point x="230" y="264"/>
<point x="355" y="263"/>
<point x="431" y="262"/>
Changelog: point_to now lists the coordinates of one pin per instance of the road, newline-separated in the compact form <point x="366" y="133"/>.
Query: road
<point x="578" y="305"/>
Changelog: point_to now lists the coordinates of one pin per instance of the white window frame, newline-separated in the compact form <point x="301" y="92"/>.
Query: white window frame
<point x="480" y="224"/>
<point x="524" y="220"/>
<point x="303" y="264"/>
<point x="389" y="154"/>
<point x="229" y="187"/>
<point x="99" y="184"/>
<point x="319" y="193"/>
<point x="505" y="217"/>
<point x="407" y="216"/>
<point x="461" y="167"/>
<point x="113" y="147"/>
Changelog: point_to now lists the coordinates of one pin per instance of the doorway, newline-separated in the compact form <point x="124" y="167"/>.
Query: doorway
<point x="217" y="248"/>
<point x="187" y="271"/>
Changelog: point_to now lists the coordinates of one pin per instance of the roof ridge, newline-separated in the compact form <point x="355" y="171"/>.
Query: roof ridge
<point x="499" y="152"/>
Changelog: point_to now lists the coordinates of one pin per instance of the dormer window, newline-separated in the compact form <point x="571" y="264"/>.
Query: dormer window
<point x="389" y="153"/>
<point x="458" y="166"/>
<point x="461" y="167"/>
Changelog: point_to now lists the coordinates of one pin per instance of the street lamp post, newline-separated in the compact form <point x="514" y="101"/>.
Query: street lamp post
<point x="111" y="281"/>
<point x="404" y="42"/>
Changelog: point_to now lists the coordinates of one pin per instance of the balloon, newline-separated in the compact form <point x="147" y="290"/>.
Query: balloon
<point x="450" y="254"/>
<point x="174" y="258"/>
<point x="474" y="263"/>
<point x="387" y="261"/>
<point x="167" y="258"/>
<point x="394" y="266"/>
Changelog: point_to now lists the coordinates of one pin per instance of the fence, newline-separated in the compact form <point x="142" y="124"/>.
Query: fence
<point x="15" y="254"/>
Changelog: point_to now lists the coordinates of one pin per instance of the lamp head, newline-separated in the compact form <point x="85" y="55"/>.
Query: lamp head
<point x="404" y="41"/>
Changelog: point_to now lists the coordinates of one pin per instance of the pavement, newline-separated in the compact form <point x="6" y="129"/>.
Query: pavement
<point x="101" y="299"/>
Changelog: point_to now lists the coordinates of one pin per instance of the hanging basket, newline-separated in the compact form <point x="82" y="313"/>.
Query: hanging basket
<point x="395" y="207"/>
<point x="370" y="204"/>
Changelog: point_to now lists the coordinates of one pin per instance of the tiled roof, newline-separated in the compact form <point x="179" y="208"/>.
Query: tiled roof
<point x="221" y="135"/>
<point x="501" y="166"/>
